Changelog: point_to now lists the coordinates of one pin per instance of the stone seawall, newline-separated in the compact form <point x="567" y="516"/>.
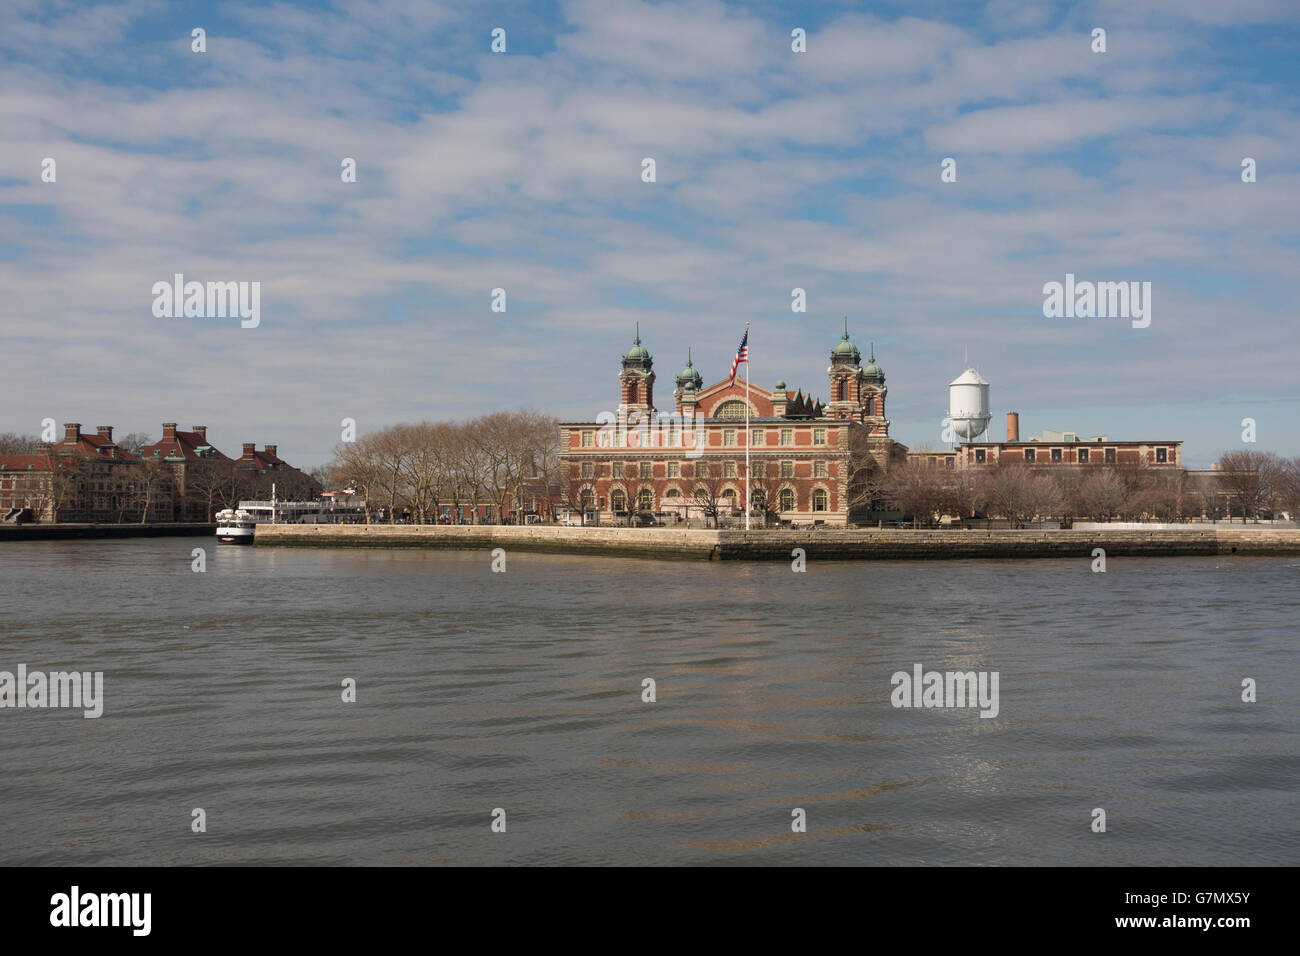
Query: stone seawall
<point x="778" y="545"/>
<point x="46" y="532"/>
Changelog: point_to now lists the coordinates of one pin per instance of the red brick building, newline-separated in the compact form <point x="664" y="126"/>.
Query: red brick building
<point x="181" y="477"/>
<point x="808" y="458"/>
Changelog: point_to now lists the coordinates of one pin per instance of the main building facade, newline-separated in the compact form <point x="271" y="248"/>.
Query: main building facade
<point x="810" y="462"/>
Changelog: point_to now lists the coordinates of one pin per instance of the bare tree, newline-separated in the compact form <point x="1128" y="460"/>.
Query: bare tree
<point x="133" y="442"/>
<point x="12" y="443"/>
<point x="1249" y="477"/>
<point x="707" y="491"/>
<point x="918" y="490"/>
<point x="1100" y="495"/>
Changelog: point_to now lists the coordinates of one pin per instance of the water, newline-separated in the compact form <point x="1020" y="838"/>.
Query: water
<point x="522" y="691"/>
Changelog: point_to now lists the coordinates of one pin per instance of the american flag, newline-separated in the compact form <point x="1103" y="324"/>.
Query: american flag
<point x="742" y="354"/>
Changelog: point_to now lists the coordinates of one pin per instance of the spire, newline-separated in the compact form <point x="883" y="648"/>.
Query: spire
<point x="873" y="353"/>
<point x="688" y="357"/>
<point x="846" y="328"/>
<point x="637" y="339"/>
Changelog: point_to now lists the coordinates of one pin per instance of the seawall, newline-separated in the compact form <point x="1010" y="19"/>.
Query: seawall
<point x="894" y="544"/>
<point x="46" y="532"/>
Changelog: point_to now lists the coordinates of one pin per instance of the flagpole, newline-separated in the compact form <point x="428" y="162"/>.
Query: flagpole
<point x="748" y="433"/>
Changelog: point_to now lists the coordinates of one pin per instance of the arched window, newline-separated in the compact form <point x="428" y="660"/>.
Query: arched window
<point x="758" y="500"/>
<point x="617" y="500"/>
<point x="672" y="493"/>
<point x="731" y="411"/>
<point x="787" y="499"/>
<point x="587" y="500"/>
<point x="701" y="494"/>
<point x="871" y="406"/>
<point x="820" y="500"/>
<point x="645" y="500"/>
<point x="631" y="393"/>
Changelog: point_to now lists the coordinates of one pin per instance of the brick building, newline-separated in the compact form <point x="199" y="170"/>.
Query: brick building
<point x="809" y="458"/>
<point x="1057" y="448"/>
<point x="181" y="477"/>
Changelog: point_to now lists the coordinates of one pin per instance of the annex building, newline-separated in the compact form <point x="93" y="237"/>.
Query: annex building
<point x="811" y="461"/>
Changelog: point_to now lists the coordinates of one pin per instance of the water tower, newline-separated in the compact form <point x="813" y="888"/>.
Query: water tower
<point x="968" y="405"/>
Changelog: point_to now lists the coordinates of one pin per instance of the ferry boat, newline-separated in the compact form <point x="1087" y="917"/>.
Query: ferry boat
<point x="238" y="525"/>
<point x="235" y="526"/>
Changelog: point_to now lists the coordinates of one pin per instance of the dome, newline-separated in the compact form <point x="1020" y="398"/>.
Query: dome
<point x="637" y="354"/>
<point x="846" y="351"/>
<point x="873" y="370"/>
<point x="690" y="377"/>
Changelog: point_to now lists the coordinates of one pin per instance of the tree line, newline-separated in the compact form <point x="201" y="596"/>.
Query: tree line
<point x="1246" y="484"/>
<point x="504" y="459"/>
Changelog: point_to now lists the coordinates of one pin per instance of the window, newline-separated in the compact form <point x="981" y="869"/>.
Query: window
<point x="948" y="462"/>
<point x="587" y="500"/>
<point x="1083" y="456"/>
<point x="588" y="469"/>
<point x="787" y="469"/>
<point x="1031" y="454"/>
<point x="1056" y="454"/>
<point x="588" y="439"/>
<point x="701" y="494"/>
<point x="617" y="500"/>
<point x="729" y="496"/>
<point x="731" y="411"/>
<point x="787" y="436"/>
<point x="1110" y="456"/>
<point x="820" y="500"/>
<point x="728" y="469"/>
<point x="787" y="499"/>
<point x="757" y="500"/>
<point x="756" y="436"/>
<point x="645" y="501"/>
<point x="729" y="437"/>
<point x="631" y="393"/>
<point x="674" y="469"/>
<point x="819" y="469"/>
<point x="1162" y="455"/>
<point x="980" y="456"/>
<point x="819" y="436"/>
<point x="672" y="493"/>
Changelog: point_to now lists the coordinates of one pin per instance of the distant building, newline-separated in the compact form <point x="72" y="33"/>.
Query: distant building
<point x="805" y="454"/>
<point x="1056" y="448"/>
<point x="180" y="477"/>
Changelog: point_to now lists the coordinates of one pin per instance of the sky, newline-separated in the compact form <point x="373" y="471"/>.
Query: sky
<point x="523" y="171"/>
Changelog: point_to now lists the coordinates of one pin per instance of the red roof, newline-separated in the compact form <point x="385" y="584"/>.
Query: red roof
<point x="186" y="446"/>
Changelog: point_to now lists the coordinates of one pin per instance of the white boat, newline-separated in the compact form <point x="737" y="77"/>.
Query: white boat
<point x="235" y="526"/>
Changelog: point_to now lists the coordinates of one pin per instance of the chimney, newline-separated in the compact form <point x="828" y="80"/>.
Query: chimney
<point x="169" y="431"/>
<point x="1013" y="426"/>
<point x="72" y="432"/>
<point x="105" y="431"/>
<point x="201" y="431"/>
<point x="270" y="450"/>
<point x="249" y="447"/>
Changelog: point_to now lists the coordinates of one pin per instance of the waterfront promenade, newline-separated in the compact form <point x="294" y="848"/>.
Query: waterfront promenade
<point x="778" y="545"/>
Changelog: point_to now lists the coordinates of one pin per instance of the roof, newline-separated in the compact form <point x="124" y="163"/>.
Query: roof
<point x="968" y="377"/>
<point x="189" y="446"/>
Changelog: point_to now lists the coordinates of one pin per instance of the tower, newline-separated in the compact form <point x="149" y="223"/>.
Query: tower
<point x="689" y="383"/>
<point x="872" y="392"/>
<point x="845" y="378"/>
<point x="637" y="380"/>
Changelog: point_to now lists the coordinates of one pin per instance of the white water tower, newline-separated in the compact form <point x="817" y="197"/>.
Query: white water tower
<point x="968" y="405"/>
